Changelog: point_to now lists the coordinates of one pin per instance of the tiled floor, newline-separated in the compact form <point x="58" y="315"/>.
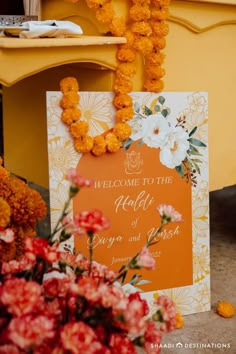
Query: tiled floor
<point x="208" y="327"/>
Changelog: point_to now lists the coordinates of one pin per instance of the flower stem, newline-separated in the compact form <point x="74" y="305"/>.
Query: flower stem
<point x="90" y="236"/>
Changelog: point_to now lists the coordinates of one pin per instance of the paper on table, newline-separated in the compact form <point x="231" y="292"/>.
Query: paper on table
<point x="50" y="28"/>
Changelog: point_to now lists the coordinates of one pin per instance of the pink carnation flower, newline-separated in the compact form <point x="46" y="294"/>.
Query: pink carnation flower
<point x="74" y="177"/>
<point x="15" y="266"/>
<point x="6" y="235"/>
<point x="121" y="344"/>
<point x="9" y="349"/>
<point x="92" y="221"/>
<point x="169" y="214"/>
<point x="167" y="312"/>
<point x="40" y="247"/>
<point x="28" y="297"/>
<point x="79" y="338"/>
<point x="145" y="259"/>
<point x="152" y="339"/>
<point x="27" y="330"/>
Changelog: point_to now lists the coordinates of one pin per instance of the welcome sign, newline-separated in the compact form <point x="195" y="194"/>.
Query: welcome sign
<point x="130" y="184"/>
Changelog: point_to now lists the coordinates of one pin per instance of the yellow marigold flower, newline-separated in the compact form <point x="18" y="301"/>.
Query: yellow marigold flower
<point x="154" y="72"/>
<point x="179" y="320"/>
<point x="70" y="115"/>
<point x="124" y="114"/>
<point x="153" y="85"/>
<point x="154" y="58"/>
<point x="112" y="143"/>
<point x="122" y="101"/>
<point x="122" y="86"/>
<point x="5" y="213"/>
<point x="79" y="129"/>
<point x="105" y="13"/>
<point x="139" y="12"/>
<point x="84" y="144"/>
<point x="160" y="14"/>
<point x="96" y="4"/>
<point x="160" y="28"/>
<point x="126" y="55"/>
<point x="69" y="100"/>
<point x="225" y="309"/>
<point x="122" y="131"/>
<point x="118" y="26"/>
<point x="142" y="28"/>
<point x="158" y="43"/>
<point x="125" y="71"/>
<point x="99" y="145"/>
<point x="143" y="44"/>
<point x="69" y="84"/>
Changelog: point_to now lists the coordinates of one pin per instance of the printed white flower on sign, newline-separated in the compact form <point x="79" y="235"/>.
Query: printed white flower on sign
<point x="154" y="130"/>
<point x="174" y="151"/>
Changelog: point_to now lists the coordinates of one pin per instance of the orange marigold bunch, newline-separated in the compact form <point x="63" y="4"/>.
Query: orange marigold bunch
<point x="21" y="207"/>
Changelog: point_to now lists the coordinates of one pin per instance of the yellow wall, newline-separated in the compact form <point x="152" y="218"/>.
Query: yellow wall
<point x="200" y="56"/>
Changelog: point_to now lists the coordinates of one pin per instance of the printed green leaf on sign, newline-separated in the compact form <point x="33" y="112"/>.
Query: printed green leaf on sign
<point x="193" y="151"/>
<point x="136" y="107"/>
<point x="161" y="99"/>
<point x="147" y="111"/>
<point x="142" y="282"/>
<point x="157" y="108"/>
<point x="196" y="142"/>
<point x="180" y="169"/>
<point x="193" y="131"/>
<point x="165" y="112"/>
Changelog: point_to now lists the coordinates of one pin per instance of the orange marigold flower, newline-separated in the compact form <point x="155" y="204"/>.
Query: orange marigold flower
<point x="161" y="13"/>
<point x="79" y="129"/>
<point x="142" y="28"/>
<point x="129" y="37"/>
<point x="118" y="26"/>
<point x="125" y="70"/>
<point x="154" y="58"/>
<point x="153" y="85"/>
<point x="154" y="72"/>
<point x="126" y="55"/>
<point x="160" y="3"/>
<point x="122" y="101"/>
<point x="27" y="205"/>
<point x="84" y="144"/>
<point x="5" y="213"/>
<point x="69" y="100"/>
<point x="139" y="12"/>
<point x="122" y="131"/>
<point x="3" y="171"/>
<point x="179" y="320"/>
<point x="124" y="114"/>
<point x="96" y="4"/>
<point x="105" y="13"/>
<point x="225" y="309"/>
<point x="70" y="115"/>
<point x="141" y="2"/>
<point x="72" y="1"/>
<point x="99" y="145"/>
<point x="158" y="43"/>
<point x="160" y="28"/>
<point x="69" y="84"/>
<point x="122" y="86"/>
<point x="143" y="44"/>
<point x="112" y="143"/>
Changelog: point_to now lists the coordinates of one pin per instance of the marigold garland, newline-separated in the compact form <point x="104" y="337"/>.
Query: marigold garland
<point x="145" y="31"/>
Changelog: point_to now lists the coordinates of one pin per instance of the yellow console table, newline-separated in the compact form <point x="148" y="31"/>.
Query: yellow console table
<point x="200" y="56"/>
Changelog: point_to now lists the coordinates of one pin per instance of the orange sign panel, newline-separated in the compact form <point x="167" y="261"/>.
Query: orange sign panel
<point x="128" y="188"/>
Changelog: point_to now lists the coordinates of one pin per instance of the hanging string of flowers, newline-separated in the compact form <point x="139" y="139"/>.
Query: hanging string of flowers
<point x="145" y="31"/>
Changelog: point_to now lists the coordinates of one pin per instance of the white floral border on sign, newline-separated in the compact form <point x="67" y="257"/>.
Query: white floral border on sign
<point x="176" y="110"/>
